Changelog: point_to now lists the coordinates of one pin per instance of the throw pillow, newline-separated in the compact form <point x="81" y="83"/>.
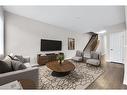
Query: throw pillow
<point x="13" y="57"/>
<point x="8" y="60"/>
<point x="20" y="57"/>
<point x="4" y="67"/>
<point x="17" y="65"/>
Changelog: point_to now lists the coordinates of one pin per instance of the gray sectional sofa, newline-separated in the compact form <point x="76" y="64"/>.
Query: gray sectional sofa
<point x="29" y="73"/>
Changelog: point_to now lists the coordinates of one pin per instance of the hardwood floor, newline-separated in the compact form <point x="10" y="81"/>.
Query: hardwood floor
<point x="112" y="78"/>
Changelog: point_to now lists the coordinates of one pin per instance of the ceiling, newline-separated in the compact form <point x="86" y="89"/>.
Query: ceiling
<point x="74" y="18"/>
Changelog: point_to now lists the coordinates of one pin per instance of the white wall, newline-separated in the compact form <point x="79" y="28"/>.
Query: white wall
<point x="23" y="36"/>
<point x="101" y="44"/>
<point x="121" y="27"/>
<point x="125" y="62"/>
<point x="1" y="33"/>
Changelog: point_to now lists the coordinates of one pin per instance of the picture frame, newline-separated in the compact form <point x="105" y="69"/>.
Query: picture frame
<point x="71" y="43"/>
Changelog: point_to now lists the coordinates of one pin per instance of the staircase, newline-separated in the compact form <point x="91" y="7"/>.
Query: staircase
<point x="91" y="45"/>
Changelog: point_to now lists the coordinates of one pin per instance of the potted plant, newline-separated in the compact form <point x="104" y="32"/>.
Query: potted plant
<point x="60" y="58"/>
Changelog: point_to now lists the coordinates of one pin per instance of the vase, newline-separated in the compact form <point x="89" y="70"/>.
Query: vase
<point x="60" y="62"/>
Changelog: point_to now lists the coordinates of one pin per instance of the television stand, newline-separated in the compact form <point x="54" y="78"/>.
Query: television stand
<point x="43" y="59"/>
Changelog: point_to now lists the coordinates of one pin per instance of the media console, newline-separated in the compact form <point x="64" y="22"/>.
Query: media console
<point x="43" y="59"/>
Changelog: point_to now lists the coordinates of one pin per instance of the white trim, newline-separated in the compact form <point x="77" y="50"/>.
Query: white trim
<point x="1" y="32"/>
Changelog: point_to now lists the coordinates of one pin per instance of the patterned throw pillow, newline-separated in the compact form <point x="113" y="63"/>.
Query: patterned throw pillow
<point x="8" y="60"/>
<point x="17" y="65"/>
<point x="20" y="57"/>
<point x="16" y="57"/>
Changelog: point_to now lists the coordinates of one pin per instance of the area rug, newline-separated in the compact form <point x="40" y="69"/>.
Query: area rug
<point x="83" y="75"/>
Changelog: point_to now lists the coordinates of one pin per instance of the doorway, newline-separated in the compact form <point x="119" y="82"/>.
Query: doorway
<point x="116" y="44"/>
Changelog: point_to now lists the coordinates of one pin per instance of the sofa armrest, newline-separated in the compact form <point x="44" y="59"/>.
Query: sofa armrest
<point x="29" y="73"/>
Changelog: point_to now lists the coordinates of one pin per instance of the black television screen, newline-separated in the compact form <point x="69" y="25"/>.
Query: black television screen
<point x="50" y="45"/>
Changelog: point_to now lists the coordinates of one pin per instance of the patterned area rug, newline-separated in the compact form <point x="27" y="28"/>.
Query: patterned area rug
<point x="83" y="75"/>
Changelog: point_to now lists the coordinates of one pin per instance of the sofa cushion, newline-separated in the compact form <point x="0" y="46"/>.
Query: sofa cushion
<point x="87" y="55"/>
<point x="77" y="58"/>
<point x="27" y="65"/>
<point x="26" y="59"/>
<point x="94" y="55"/>
<point x="78" y="53"/>
<point x="4" y="67"/>
<point x="93" y="62"/>
<point x="17" y="65"/>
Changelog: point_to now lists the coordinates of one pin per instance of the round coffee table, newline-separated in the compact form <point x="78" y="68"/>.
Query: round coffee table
<point x="60" y="70"/>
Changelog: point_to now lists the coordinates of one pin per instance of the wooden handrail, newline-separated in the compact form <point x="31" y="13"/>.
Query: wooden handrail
<point x="95" y="35"/>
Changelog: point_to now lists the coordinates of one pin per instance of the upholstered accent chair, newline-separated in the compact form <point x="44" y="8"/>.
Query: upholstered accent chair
<point x="79" y="56"/>
<point x="95" y="59"/>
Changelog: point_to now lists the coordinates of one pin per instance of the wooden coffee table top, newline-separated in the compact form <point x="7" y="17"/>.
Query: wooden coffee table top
<point x="66" y="66"/>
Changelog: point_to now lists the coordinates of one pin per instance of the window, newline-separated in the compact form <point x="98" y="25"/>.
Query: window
<point x="1" y="33"/>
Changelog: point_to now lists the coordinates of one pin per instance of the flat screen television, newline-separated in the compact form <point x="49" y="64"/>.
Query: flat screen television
<point x="50" y="45"/>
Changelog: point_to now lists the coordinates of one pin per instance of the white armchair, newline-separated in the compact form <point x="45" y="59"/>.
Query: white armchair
<point x="78" y="56"/>
<point x="95" y="59"/>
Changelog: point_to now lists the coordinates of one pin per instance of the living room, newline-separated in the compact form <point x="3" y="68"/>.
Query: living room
<point x="67" y="34"/>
